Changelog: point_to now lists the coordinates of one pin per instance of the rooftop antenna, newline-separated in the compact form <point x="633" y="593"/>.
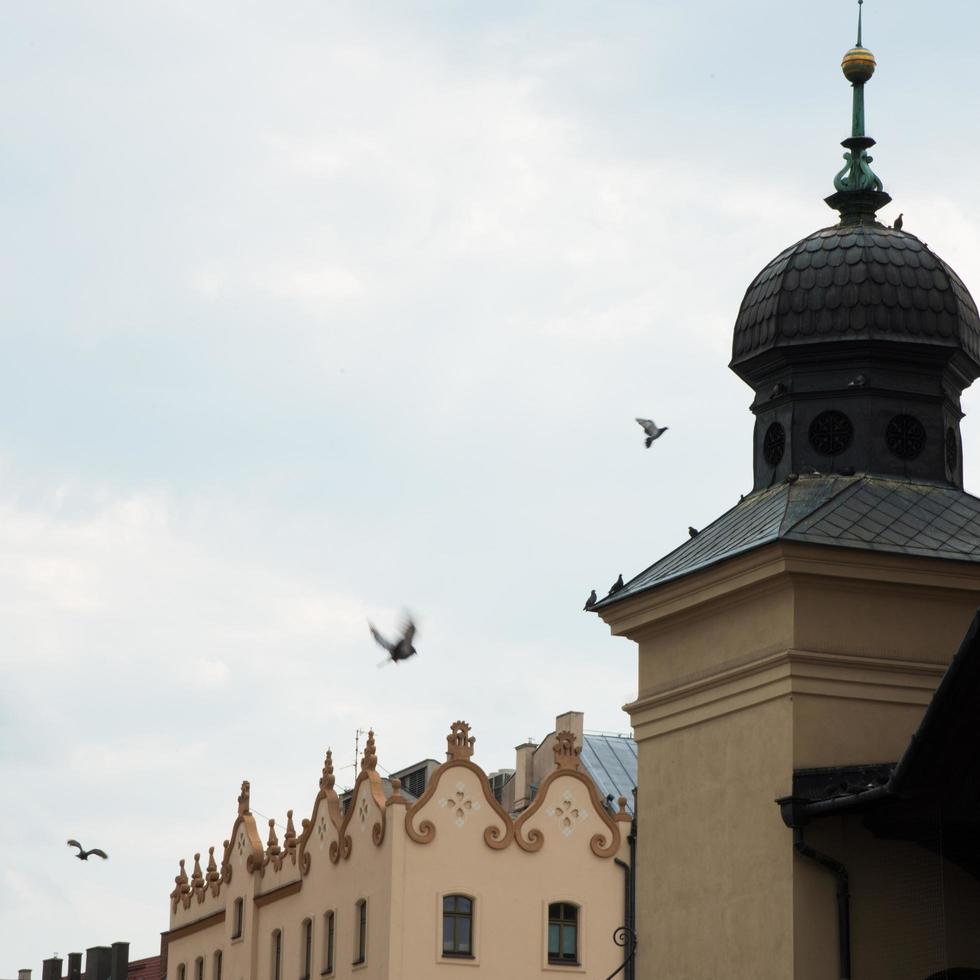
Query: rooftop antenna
<point x="860" y="12"/>
<point x="357" y="747"/>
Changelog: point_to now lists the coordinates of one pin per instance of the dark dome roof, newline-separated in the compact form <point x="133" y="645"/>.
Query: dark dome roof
<point x="856" y="283"/>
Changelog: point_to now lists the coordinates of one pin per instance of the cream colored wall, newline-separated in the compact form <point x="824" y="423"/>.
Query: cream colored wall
<point x="786" y="657"/>
<point x="404" y="882"/>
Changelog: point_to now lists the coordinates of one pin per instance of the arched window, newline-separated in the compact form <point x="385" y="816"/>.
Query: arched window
<point x="239" y="919"/>
<point x="329" y="930"/>
<point x="306" y="951"/>
<point x="457" y="925"/>
<point x="276" y="972"/>
<point x="199" y="968"/>
<point x="181" y="972"/>
<point x="562" y="932"/>
<point x="360" y="938"/>
<point x="217" y="965"/>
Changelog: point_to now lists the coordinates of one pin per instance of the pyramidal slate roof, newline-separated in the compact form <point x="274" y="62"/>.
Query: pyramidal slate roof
<point x="868" y="513"/>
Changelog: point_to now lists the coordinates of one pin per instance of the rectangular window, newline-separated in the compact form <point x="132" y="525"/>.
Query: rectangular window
<point x="457" y="926"/>
<point x="239" y="920"/>
<point x="277" y="955"/>
<point x="328" y="939"/>
<point x="360" y="944"/>
<point x="562" y="933"/>
<point x="307" y="951"/>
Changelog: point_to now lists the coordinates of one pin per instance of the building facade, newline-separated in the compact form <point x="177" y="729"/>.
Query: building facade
<point x="413" y="888"/>
<point x="801" y="648"/>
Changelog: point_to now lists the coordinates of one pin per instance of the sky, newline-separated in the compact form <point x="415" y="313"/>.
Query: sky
<point x="315" y="312"/>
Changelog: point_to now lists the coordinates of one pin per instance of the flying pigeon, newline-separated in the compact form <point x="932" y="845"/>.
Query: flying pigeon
<point x="616" y="586"/>
<point x="650" y="428"/>
<point x="590" y="602"/>
<point x="693" y="532"/>
<point x="82" y="854"/>
<point x="402" y="649"/>
<point x="899" y="222"/>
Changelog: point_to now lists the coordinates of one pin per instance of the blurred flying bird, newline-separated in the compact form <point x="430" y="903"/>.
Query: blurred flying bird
<point x="650" y="428"/>
<point x="82" y="854"/>
<point x="617" y="585"/>
<point x="402" y="648"/>
<point x="899" y="221"/>
<point x="590" y="602"/>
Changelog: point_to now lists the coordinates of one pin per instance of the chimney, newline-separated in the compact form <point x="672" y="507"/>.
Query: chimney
<point x="119" y="961"/>
<point x="97" y="963"/>
<point x="572" y="721"/>
<point x="522" y="774"/>
<point x="50" y="969"/>
<point x="23" y="975"/>
<point x="74" y="967"/>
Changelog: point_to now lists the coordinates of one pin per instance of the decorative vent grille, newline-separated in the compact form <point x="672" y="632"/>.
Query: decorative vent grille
<point x="905" y="436"/>
<point x="831" y="433"/>
<point x="774" y="444"/>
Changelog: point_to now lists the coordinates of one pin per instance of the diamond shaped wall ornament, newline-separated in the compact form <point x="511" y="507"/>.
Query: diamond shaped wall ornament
<point x="567" y="813"/>
<point x="461" y="803"/>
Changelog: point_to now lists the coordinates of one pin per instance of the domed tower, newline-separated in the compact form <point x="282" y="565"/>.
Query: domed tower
<point x="805" y="630"/>
<point x="858" y="339"/>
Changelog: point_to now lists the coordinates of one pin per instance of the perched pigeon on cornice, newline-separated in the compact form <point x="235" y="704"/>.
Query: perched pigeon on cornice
<point x="402" y="649"/>
<point x="859" y="382"/>
<point x="777" y="389"/>
<point x="590" y="602"/>
<point x="899" y="221"/>
<point x="650" y="428"/>
<point x="616" y="586"/>
<point x="693" y="532"/>
<point x="83" y="855"/>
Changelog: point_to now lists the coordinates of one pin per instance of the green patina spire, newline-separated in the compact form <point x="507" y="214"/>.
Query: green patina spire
<point x="859" y="191"/>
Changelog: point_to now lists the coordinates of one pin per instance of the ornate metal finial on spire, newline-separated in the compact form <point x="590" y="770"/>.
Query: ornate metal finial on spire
<point x="243" y="804"/>
<point x="370" y="760"/>
<point x="327" y="780"/>
<point x="860" y="193"/>
<point x="566" y="751"/>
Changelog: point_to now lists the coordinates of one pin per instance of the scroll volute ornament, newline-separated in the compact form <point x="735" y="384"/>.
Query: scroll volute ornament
<point x="328" y="797"/>
<point x="459" y="752"/>
<point x="369" y="763"/>
<point x="567" y="764"/>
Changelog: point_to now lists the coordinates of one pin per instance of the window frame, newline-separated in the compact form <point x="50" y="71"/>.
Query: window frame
<point x="564" y="924"/>
<point x="199" y="968"/>
<point x="456" y="915"/>
<point x="216" y="965"/>
<point x="360" y="936"/>
<point x="329" y="943"/>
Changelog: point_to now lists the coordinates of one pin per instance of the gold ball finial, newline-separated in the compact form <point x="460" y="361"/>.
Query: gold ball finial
<point x="858" y="65"/>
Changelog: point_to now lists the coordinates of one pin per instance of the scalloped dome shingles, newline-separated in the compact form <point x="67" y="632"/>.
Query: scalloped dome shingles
<point x="856" y="283"/>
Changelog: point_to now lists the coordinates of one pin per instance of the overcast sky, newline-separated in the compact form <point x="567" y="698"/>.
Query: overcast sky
<point x="316" y="311"/>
